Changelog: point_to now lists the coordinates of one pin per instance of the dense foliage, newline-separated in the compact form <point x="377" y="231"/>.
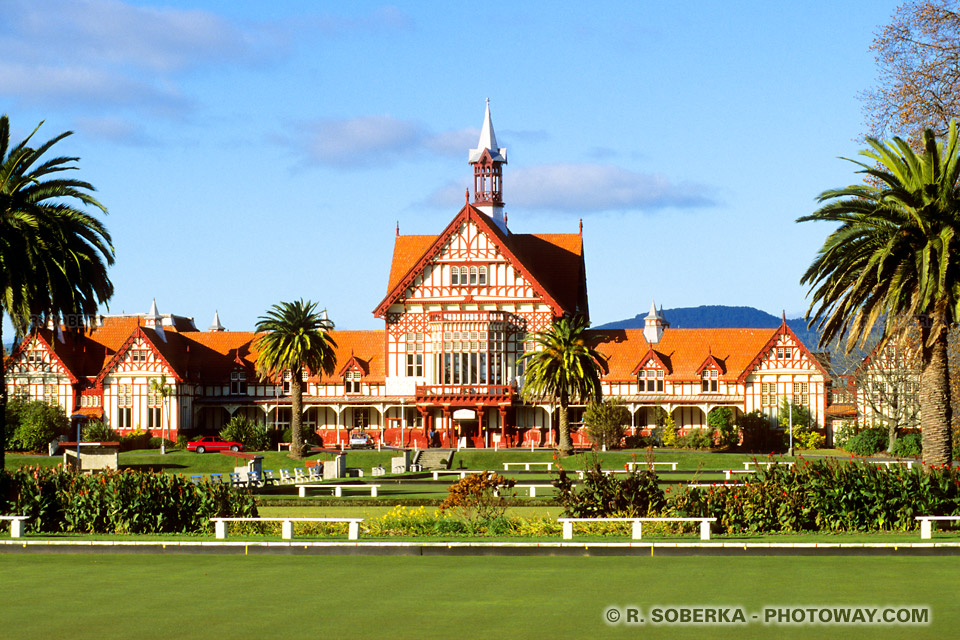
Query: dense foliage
<point x="868" y="442"/>
<point x="601" y="494"/>
<point x="758" y="435"/>
<point x="908" y="446"/>
<point x="60" y="501"/>
<point x="826" y="496"/>
<point x="606" y="422"/>
<point x="478" y="497"/>
<point x="97" y="431"/>
<point x="252" y="435"/>
<point x="31" y="424"/>
<point x="721" y="420"/>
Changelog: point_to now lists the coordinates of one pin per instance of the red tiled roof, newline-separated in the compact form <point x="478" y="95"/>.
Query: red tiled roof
<point x="365" y="346"/>
<point x="554" y="261"/>
<point x="684" y="349"/>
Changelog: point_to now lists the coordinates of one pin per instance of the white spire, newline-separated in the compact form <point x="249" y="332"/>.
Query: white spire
<point x="216" y="326"/>
<point x="488" y="140"/>
<point x="654" y="324"/>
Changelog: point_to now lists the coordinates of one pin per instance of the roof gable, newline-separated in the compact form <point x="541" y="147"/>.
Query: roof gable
<point x="38" y="342"/>
<point x="525" y="253"/>
<point x="783" y="331"/>
<point x="140" y="339"/>
<point x="652" y="360"/>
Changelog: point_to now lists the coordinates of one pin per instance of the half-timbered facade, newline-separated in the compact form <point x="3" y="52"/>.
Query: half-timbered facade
<point x="458" y="312"/>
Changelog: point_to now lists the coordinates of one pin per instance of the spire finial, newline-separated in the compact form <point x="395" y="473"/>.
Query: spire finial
<point x="398" y="228"/>
<point x="581" y="227"/>
<point x="466" y="196"/>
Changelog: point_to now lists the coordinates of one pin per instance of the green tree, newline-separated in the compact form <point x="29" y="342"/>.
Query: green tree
<point x="53" y="255"/>
<point x="164" y="390"/>
<point x="565" y="367"/>
<point x="295" y="337"/>
<point x="721" y="419"/>
<point x="894" y="259"/>
<point x="606" y="422"/>
<point x="37" y="423"/>
<point x="253" y="435"/>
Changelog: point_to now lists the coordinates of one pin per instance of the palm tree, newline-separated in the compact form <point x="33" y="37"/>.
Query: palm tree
<point x="160" y="387"/>
<point x="53" y="255"/>
<point x="562" y="366"/>
<point x="894" y="259"/>
<point x="295" y="337"/>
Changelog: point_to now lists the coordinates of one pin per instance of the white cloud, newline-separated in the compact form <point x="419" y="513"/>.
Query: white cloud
<point x="587" y="188"/>
<point x="118" y="130"/>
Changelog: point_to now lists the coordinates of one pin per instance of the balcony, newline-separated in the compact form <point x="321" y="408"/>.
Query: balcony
<point x="465" y="394"/>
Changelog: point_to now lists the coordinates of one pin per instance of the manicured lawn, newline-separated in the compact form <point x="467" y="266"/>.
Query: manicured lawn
<point x="153" y="596"/>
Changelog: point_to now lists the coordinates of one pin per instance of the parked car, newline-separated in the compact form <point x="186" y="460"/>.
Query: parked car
<point x="213" y="443"/>
<point x="361" y="440"/>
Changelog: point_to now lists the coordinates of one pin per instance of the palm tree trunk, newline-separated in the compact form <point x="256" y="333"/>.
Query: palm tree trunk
<point x="935" y="402"/>
<point x="297" y="444"/>
<point x="563" y="428"/>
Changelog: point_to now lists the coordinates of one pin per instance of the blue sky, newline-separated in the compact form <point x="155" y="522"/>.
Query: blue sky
<point x="254" y="152"/>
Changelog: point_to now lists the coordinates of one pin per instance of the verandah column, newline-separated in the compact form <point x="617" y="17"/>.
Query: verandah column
<point x="503" y="427"/>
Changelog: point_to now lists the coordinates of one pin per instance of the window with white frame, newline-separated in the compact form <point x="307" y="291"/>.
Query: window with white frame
<point x="768" y="394"/>
<point x="238" y="383"/>
<point x="154" y="415"/>
<point x="650" y="380"/>
<point x="351" y="382"/>
<point x="800" y="395"/>
<point x="414" y="354"/>
<point x="709" y="381"/>
<point x="50" y="393"/>
<point x="784" y="353"/>
<point x="125" y="418"/>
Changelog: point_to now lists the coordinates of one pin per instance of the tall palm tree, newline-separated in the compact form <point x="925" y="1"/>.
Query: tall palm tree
<point x="894" y="260"/>
<point x="160" y="387"/>
<point x="565" y="367"/>
<point x="53" y="255"/>
<point x="296" y="336"/>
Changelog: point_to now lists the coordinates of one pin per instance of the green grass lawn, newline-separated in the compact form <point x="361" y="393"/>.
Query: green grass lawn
<point x="155" y="596"/>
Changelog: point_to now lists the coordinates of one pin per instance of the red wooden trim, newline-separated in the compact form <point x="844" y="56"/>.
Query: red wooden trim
<point x="20" y="348"/>
<point x="112" y="363"/>
<point x="656" y="356"/>
<point x="782" y="330"/>
<point x="467" y="214"/>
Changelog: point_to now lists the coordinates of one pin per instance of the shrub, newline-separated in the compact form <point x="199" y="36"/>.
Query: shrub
<point x="721" y="419"/>
<point x="640" y="442"/>
<point x="696" y="439"/>
<point x="908" y="446"/>
<point x="62" y="501"/>
<point x="600" y="494"/>
<point x="97" y="431"/>
<point x="606" y="422"/>
<point x="253" y="435"/>
<point x="868" y="442"/>
<point x="136" y="439"/>
<point x="668" y="431"/>
<point x="478" y="497"/>
<point x="808" y="439"/>
<point x="37" y="423"/>
<point x="826" y="496"/>
<point x="846" y="430"/>
<point x="758" y="434"/>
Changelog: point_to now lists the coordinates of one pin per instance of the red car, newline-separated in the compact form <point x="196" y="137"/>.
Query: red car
<point x="213" y="443"/>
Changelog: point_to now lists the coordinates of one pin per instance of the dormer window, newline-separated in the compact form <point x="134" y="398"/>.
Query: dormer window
<point x="468" y="276"/>
<point x="238" y="383"/>
<point x="650" y="380"/>
<point x="351" y="382"/>
<point x="710" y="381"/>
<point x="784" y="353"/>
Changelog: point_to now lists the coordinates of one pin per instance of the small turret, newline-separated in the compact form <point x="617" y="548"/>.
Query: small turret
<point x="654" y="325"/>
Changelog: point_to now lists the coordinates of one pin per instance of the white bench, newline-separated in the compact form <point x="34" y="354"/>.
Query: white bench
<point x="887" y="463"/>
<point x="286" y="529"/>
<point x="533" y="488"/>
<point x="747" y="465"/>
<point x="446" y="472"/>
<point x="338" y="488"/>
<point x="926" y="526"/>
<point x="637" y="530"/>
<point x="632" y="465"/>
<point x="526" y="465"/>
<point x="729" y="473"/>
<point x="16" y="525"/>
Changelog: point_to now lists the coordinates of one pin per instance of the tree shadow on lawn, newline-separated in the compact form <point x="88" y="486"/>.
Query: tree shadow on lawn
<point x="158" y="468"/>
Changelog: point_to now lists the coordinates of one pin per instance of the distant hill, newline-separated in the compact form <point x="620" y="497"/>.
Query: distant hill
<point x="722" y="317"/>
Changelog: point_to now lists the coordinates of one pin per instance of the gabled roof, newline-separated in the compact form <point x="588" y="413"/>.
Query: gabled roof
<point x="664" y="363"/>
<point x="45" y="342"/>
<point x="362" y="346"/>
<point x="552" y="263"/>
<point x="686" y="350"/>
<point x="711" y="361"/>
<point x="153" y="343"/>
<point x="354" y="364"/>
<point x="783" y="330"/>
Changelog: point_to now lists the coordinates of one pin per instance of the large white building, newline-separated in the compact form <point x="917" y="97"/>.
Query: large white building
<point x="458" y="311"/>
